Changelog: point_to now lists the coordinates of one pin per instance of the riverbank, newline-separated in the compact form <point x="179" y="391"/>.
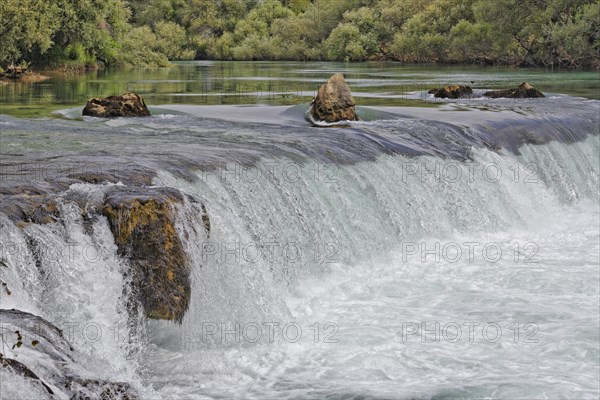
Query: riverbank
<point x="27" y="76"/>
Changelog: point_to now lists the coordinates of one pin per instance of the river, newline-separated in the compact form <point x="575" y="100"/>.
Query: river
<point x="437" y="249"/>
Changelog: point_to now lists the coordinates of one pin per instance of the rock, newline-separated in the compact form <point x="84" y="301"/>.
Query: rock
<point x="523" y="91"/>
<point x="45" y="350"/>
<point x="142" y="221"/>
<point x="20" y="330"/>
<point x="452" y="92"/>
<point x="334" y="102"/>
<point x="88" y="389"/>
<point x="20" y="73"/>
<point x="19" y="368"/>
<point x="132" y="175"/>
<point x="26" y="209"/>
<point x="51" y="339"/>
<point x="127" y="105"/>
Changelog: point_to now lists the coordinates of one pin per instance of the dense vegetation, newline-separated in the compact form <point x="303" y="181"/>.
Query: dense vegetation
<point x="77" y="33"/>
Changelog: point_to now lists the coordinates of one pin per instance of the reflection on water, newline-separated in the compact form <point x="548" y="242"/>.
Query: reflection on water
<point x="277" y="83"/>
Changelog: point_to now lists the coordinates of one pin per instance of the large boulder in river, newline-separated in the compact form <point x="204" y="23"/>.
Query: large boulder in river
<point x="523" y="91"/>
<point x="142" y="221"/>
<point x="127" y="105"/>
<point x="334" y="102"/>
<point x="452" y="92"/>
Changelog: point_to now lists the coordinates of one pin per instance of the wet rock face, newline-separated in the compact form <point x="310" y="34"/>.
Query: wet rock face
<point x="29" y="206"/>
<point x="142" y="221"/>
<point x="334" y="102"/>
<point x="20" y="330"/>
<point x="127" y="105"/>
<point x="18" y="368"/>
<point x="452" y="92"/>
<point x="50" y="360"/>
<point x="523" y="91"/>
<point x="84" y="389"/>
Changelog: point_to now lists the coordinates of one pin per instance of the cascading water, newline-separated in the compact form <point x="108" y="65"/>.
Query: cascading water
<point x="324" y="279"/>
<point x="311" y="234"/>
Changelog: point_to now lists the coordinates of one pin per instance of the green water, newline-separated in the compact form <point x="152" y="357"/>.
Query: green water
<point x="278" y="83"/>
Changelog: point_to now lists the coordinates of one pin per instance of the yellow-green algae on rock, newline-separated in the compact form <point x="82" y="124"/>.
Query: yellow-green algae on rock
<point x="143" y="225"/>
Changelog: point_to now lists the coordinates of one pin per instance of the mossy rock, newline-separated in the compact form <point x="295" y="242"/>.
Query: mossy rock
<point x="452" y="92"/>
<point x="523" y="91"/>
<point x="334" y="102"/>
<point x="126" y="105"/>
<point x="142" y="221"/>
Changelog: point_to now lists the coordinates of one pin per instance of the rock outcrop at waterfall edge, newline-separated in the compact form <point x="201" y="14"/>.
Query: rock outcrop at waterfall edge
<point x="54" y="376"/>
<point x="334" y="102"/>
<point x="523" y="91"/>
<point x="126" y="105"/>
<point x="24" y="209"/>
<point x="142" y="221"/>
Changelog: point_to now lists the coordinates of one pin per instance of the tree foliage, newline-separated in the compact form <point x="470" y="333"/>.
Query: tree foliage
<point x="563" y="33"/>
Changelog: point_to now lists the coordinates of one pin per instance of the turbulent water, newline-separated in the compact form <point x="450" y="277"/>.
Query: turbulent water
<point x="448" y="253"/>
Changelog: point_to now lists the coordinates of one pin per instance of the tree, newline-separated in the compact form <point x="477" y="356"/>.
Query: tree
<point x="26" y="28"/>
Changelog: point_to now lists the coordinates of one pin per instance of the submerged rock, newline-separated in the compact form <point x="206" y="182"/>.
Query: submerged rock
<point x="22" y="330"/>
<point x="21" y="369"/>
<point x="84" y="389"/>
<point x="523" y="91"/>
<point x="24" y="209"/>
<point x="142" y="221"/>
<point x="127" y="105"/>
<point x="452" y="92"/>
<point x="334" y="102"/>
<point x="131" y="175"/>
<point x="51" y="339"/>
<point x="47" y="361"/>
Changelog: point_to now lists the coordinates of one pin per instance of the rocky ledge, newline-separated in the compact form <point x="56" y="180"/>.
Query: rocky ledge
<point x="38" y="352"/>
<point x="142" y="220"/>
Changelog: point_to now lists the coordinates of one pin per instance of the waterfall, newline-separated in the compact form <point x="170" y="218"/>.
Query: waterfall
<point x="280" y="222"/>
<point x="274" y="225"/>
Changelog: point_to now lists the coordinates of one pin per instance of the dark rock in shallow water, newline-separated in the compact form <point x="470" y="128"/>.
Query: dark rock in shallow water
<point x="452" y="92"/>
<point x="523" y="91"/>
<point x="88" y="389"/>
<point x="142" y="221"/>
<point x="127" y="105"/>
<point x="334" y="102"/>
